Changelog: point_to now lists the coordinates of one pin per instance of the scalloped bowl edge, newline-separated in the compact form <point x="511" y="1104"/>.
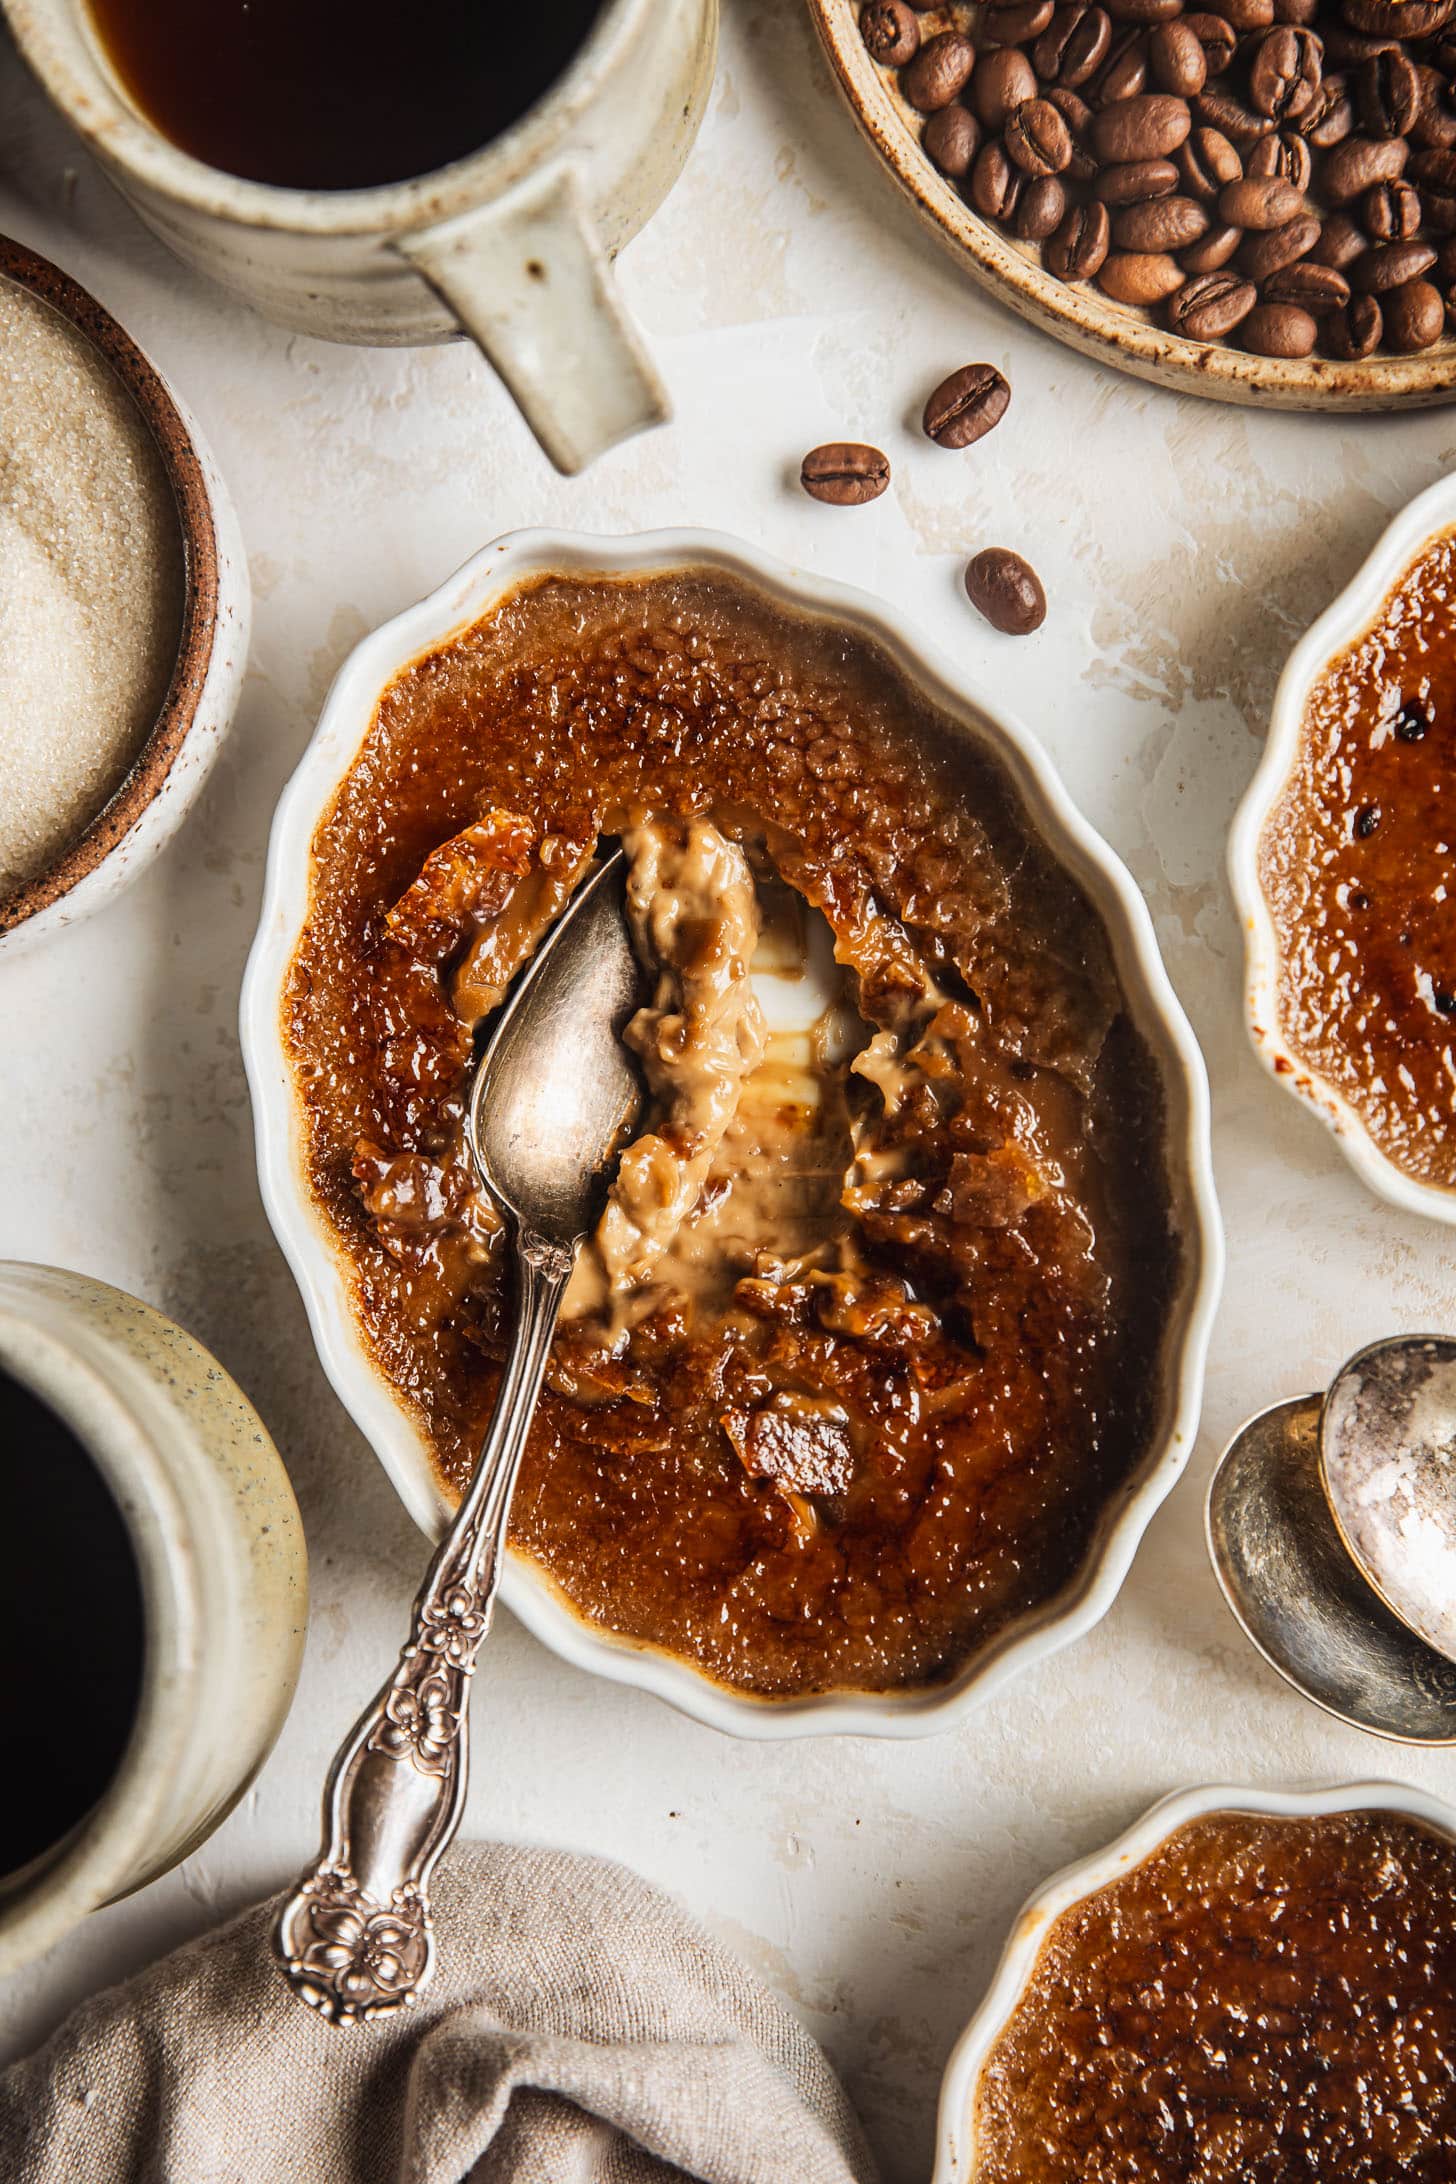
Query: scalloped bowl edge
<point x="955" y="2146"/>
<point x="317" y="1263"/>
<point x="1341" y="623"/>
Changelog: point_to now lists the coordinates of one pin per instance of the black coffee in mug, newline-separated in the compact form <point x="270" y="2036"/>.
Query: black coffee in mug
<point x="337" y="94"/>
<point x="72" y="1635"/>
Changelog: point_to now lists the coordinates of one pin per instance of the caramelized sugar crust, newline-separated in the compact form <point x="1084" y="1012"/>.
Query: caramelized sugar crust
<point x="848" y="1462"/>
<point x="1358" y="862"/>
<point x="1259" y="2001"/>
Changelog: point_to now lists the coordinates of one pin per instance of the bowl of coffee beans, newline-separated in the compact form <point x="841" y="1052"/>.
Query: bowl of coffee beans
<point x="1249" y="199"/>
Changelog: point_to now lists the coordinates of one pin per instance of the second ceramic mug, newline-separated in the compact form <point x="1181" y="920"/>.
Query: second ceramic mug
<point x="512" y="245"/>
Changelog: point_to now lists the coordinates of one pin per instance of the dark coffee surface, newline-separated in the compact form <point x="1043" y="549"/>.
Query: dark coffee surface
<point x="336" y="94"/>
<point x="1260" y="2001"/>
<point x="71" y="1629"/>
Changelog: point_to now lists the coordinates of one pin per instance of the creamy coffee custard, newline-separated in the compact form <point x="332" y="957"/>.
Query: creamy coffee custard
<point x="866" y="1341"/>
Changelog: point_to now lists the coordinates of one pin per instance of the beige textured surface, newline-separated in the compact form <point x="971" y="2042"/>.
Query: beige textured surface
<point x="792" y="298"/>
<point x="578" y="2028"/>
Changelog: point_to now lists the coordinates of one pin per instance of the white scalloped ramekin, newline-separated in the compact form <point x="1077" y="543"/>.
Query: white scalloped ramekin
<point x="1342" y="622"/>
<point x="321" y="1272"/>
<point x="955" y="2146"/>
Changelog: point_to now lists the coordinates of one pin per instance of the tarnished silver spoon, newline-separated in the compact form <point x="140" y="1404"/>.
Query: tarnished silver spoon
<point x="1388" y="1461"/>
<point x="553" y="1099"/>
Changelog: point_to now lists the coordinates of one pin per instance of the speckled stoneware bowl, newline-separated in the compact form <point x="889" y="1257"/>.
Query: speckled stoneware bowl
<point x="1078" y="313"/>
<point x="1342" y="623"/>
<point x="220" y="1555"/>
<point x="154" y="795"/>
<point x="323" y="1275"/>
<point x="955" y="2161"/>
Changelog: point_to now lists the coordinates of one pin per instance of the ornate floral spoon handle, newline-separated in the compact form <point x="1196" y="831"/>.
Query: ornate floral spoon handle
<point x="355" y="1939"/>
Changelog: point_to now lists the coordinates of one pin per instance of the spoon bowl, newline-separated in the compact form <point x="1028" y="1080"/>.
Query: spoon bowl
<point x="1388" y="1461"/>
<point x="1299" y="1598"/>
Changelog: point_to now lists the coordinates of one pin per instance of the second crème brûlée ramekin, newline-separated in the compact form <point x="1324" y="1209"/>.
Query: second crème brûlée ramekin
<point x="764" y="1523"/>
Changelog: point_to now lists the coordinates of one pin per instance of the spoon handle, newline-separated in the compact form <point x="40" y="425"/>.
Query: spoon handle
<point x="355" y="1939"/>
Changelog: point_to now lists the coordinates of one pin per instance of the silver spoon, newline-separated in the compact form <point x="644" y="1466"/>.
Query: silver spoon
<point x="1388" y="1460"/>
<point x="1300" y="1599"/>
<point x="553" y="1098"/>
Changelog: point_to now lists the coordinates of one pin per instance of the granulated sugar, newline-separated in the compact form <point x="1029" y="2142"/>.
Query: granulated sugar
<point x="91" y="584"/>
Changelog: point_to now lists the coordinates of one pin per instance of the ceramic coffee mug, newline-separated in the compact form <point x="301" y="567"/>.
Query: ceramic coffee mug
<point x="512" y="245"/>
<point x="220" y="1558"/>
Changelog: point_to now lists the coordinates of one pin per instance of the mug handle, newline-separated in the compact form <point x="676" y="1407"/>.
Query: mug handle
<point x="529" y="281"/>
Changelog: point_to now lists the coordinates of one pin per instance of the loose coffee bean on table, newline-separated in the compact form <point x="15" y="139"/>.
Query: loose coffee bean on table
<point x="1280" y="174"/>
<point x="1007" y="590"/>
<point x="966" y="405"/>
<point x="845" y="473"/>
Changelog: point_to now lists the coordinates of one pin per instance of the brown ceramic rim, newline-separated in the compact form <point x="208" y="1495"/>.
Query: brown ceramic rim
<point x="1082" y="316"/>
<point x="154" y="761"/>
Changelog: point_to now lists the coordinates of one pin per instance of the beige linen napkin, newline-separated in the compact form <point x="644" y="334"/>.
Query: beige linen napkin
<point x="580" y="2029"/>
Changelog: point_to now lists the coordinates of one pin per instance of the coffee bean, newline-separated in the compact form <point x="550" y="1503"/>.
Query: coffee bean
<point x="1141" y="277"/>
<point x="1355" y="332"/>
<point x="1331" y="118"/>
<point x="995" y="182"/>
<point x="1279" y="329"/>
<point x="1206" y="162"/>
<point x="1073" y="47"/>
<point x="939" y="72"/>
<point x="965" y="406"/>
<point x="1434" y="127"/>
<point x="1316" y="288"/>
<point x="1398" y="18"/>
<point x="1218" y="39"/>
<point x="1391" y="265"/>
<point x="1077" y="115"/>
<point x="1303" y="12"/>
<point x="1286" y="156"/>
<point x="1162" y="223"/>
<point x="1284" y="75"/>
<point x="1079" y="248"/>
<point x="1245" y="15"/>
<point x="1177" y="62"/>
<point x="1208" y="308"/>
<point x="1147" y="14"/>
<point x="890" y="32"/>
<point x="845" y="473"/>
<point x="1387" y="94"/>
<point x="1239" y="123"/>
<point x="951" y="139"/>
<point x="1340" y="241"/>
<point x="1007" y="590"/>
<point x="1359" y="163"/>
<point x="1214" y="252"/>
<point x="1275" y="248"/>
<point x="1124" y="71"/>
<point x="1348" y="48"/>
<point x="1136" y="182"/>
<point x="1018" y="22"/>
<point x="1259" y="201"/>
<point x="1415" y="317"/>
<point x="1037" y="138"/>
<point x="1040" y="208"/>
<point x="1147" y="127"/>
<point x="1002" y="82"/>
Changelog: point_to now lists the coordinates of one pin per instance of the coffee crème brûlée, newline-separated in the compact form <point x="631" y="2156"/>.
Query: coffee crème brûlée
<point x="869" y="1336"/>
<point x="1260" y="2000"/>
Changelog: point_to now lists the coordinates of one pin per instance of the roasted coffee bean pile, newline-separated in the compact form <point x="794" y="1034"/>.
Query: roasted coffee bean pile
<point x="962" y="409"/>
<point x="1276" y="173"/>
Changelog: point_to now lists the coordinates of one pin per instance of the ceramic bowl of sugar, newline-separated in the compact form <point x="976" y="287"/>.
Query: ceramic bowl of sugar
<point x="123" y="604"/>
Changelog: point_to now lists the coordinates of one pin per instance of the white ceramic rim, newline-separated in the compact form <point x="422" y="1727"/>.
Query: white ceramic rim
<point x="112" y="1842"/>
<point x="70" y="60"/>
<point x="1342" y="623"/>
<point x="955" y="2145"/>
<point x="318" y="1266"/>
